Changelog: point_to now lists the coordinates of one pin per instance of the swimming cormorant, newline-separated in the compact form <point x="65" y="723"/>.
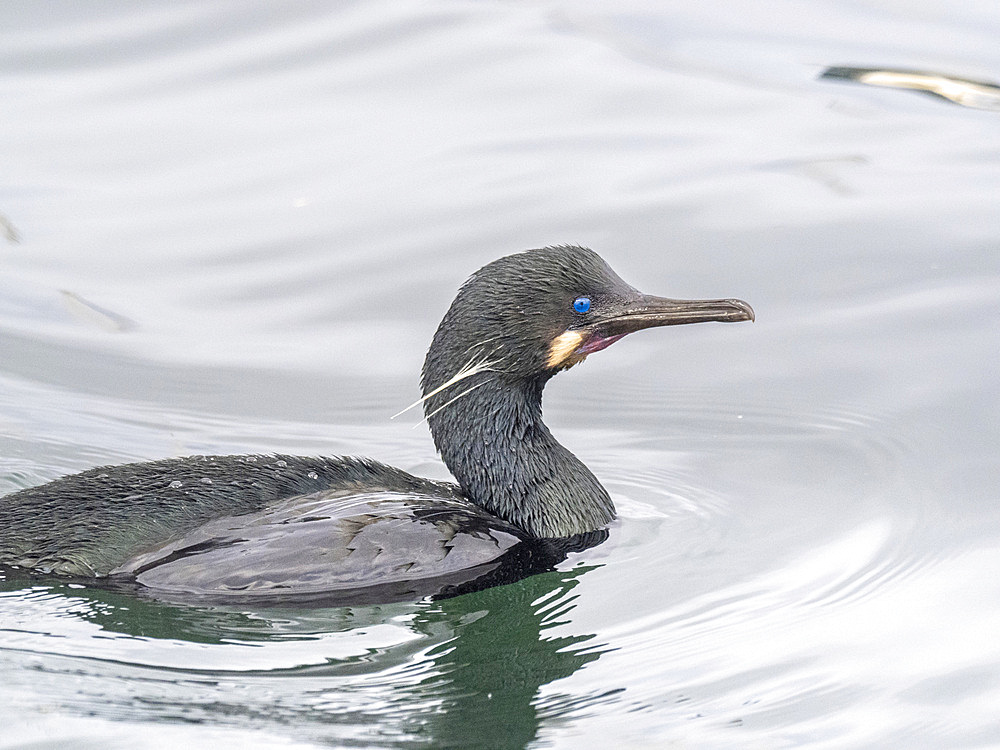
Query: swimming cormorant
<point x="289" y="528"/>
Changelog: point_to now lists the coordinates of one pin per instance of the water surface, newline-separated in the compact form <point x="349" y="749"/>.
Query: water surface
<point x="233" y="228"/>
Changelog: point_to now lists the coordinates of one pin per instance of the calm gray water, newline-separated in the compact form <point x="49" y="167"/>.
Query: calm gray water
<point x="233" y="227"/>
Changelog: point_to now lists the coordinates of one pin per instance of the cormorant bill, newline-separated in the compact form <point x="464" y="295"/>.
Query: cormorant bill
<point x="343" y="530"/>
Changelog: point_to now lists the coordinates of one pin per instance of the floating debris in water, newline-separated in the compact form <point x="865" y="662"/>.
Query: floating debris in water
<point x="8" y="230"/>
<point x="88" y="312"/>
<point x="824" y="170"/>
<point x="975" y="94"/>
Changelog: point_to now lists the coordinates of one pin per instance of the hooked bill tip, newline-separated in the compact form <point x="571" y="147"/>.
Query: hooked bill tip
<point x="745" y="307"/>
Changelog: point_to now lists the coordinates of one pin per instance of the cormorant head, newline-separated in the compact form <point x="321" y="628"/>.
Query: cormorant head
<point x="514" y="324"/>
<point x="529" y="315"/>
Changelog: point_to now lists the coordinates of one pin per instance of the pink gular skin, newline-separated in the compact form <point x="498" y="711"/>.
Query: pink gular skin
<point x="596" y="343"/>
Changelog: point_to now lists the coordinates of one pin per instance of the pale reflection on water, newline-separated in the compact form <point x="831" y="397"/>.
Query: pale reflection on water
<point x="233" y="228"/>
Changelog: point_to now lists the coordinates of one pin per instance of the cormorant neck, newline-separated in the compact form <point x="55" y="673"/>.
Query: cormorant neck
<point x="505" y="459"/>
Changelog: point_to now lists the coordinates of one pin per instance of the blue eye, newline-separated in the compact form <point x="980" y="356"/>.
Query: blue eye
<point x="581" y="304"/>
